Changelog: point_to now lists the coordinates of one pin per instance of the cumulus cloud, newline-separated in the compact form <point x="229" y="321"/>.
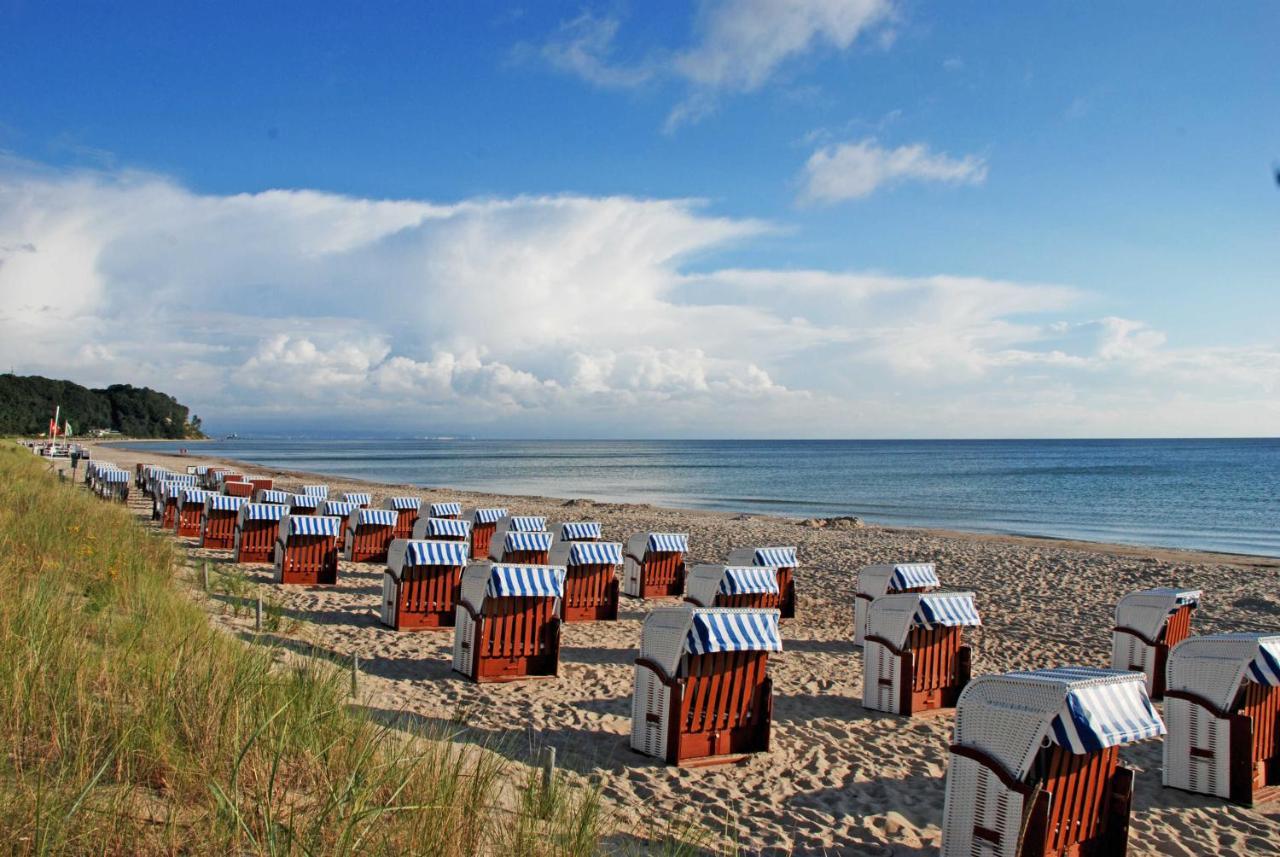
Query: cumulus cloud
<point x="558" y="315"/>
<point x="854" y="170"/>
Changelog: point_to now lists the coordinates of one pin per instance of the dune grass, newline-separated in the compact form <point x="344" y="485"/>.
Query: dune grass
<point x="131" y="726"/>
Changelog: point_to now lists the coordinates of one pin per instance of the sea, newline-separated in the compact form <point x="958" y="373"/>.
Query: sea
<point x="1219" y="495"/>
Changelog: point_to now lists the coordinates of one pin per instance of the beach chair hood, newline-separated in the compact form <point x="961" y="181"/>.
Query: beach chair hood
<point x="224" y="503"/>
<point x="484" y="579"/>
<point x="274" y="495"/>
<point x="192" y="497"/>
<point x="305" y="501"/>
<point x="893" y="616"/>
<point x="359" y="517"/>
<point x="1146" y="611"/>
<point x="487" y="516"/>
<point x="670" y="633"/>
<point x="261" y="512"/>
<point x="527" y="541"/>
<point x="882" y="578"/>
<point x="586" y="553"/>
<point x="778" y="557"/>
<point x="403" y="503"/>
<point x="578" y="530"/>
<point x="321" y="491"/>
<point x="1215" y="666"/>
<point x="360" y="498"/>
<point x="442" y="528"/>
<point x="337" y="508"/>
<point x="408" y="553"/>
<point x="309" y="525"/>
<point x="444" y="510"/>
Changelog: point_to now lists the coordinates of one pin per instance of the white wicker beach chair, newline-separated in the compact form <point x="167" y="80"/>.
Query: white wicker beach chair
<point x="653" y="564"/>
<point x="368" y="533"/>
<point x="360" y="498"/>
<point x="1148" y="624"/>
<point x="520" y="539"/>
<point x="785" y="559"/>
<point x="883" y="578"/>
<point x="577" y="531"/>
<point x="407" y="508"/>
<point x="420" y="586"/>
<point x="306" y="550"/>
<point x="508" y="624"/>
<point x="591" y="579"/>
<point x="483" y="522"/>
<point x="218" y="526"/>
<point x="913" y="656"/>
<point x="747" y="586"/>
<point x="257" y="527"/>
<point x="442" y="529"/>
<point x="445" y="510"/>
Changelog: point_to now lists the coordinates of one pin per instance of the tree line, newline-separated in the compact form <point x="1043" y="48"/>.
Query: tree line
<point x="27" y="402"/>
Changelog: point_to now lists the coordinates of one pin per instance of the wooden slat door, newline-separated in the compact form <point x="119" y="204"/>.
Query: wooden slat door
<point x="590" y="593"/>
<point x="428" y="596"/>
<point x="1079" y="789"/>
<point x="518" y="636"/>
<point x="724" y="708"/>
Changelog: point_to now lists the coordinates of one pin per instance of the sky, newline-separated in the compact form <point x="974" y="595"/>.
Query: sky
<point x="728" y="218"/>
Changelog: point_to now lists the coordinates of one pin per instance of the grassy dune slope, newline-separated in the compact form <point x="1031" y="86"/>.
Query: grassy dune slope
<point x="130" y="725"/>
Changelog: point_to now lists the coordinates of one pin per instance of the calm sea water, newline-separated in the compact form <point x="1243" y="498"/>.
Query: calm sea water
<point x="1209" y="494"/>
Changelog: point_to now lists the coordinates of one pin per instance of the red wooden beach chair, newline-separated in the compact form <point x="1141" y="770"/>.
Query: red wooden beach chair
<point x="1148" y="624"/>
<point x="369" y="533"/>
<point x="507" y="622"/>
<point x="653" y="565"/>
<point x="257" y="527"/>
<point x="359" y="498"/>
<point x="748" y="586"/>
<point x="784" y="560"/>
<point x="407" y="514"/>
<point x="702" y="691"/>
<point x="483" y="523"/>
<point x="340" y="509"/>
<point x="306" y="550"/>
<point x="1035" y="767"/>
<point x="261" y="483"/>
<point x="272" y="496"/>
<point x="218" y="525"/>
<point x="914" y="659"/>
<point x="190" y="512"/>
<point x="882" y="579"/>
<point x="521" y="548"/>
<point x="447" y="510"/>
<point x="1223" y="708"/>
<point x="590" y="581"/>
<point x="420" y="587"/>
<point x="442" y="530"/>
<point x="237" y="488"/>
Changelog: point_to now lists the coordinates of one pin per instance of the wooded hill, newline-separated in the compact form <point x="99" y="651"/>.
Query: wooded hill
<point x="27" y="403"/>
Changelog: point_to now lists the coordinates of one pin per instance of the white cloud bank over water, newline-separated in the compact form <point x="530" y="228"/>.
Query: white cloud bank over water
<point x="571" y="316"/>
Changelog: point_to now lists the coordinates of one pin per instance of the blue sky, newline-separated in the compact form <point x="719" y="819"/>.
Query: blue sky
<point x="1097" y="175"/>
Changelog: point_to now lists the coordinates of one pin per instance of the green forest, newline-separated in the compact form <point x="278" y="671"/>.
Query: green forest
<point x="27" y="403"/>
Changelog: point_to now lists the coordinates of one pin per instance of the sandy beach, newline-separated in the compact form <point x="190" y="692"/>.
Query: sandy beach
<point x="838" y="779"/>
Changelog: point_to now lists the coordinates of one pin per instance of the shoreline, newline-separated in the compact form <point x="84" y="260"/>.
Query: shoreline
<point x="1157" y="552"/>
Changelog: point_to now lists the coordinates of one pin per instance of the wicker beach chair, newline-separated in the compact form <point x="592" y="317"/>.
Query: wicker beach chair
<point x="884" y="578"/>
<point x="513" y="524"/>
<point x="304" y="504"/>
<point x="186" y="523"/>
<point x="272" y="496"/>
<point x="406" y="509"/>
<point x="165" y="507"/>
<point x="785" y="560"/>
<point x="590" y="580"/>
<point x="1034" y="767"/>
<point x="442" y="529"/>
<point x="520" y="547"/>
<point x="653" y="565"/>
<point x="577" y="531"/>
<point x="914" y="658"/>
<point x="306" y="550"/>
<point x="1223" y="707"/>
<point x="257" y="527"/>
<point x="115" y="485"/>
<point x="508" y="625"/>
<point x="1148" y="624"/>
<point x="445" y="510"/>
<point x="420" y="586"/>
<point x="321" y="491"/>
<point x="368" y="534"/>
<point x="483" y="523"/>
<point x="360" y="498"/>
<point x="218" y="527"/>
<point x="713" y="585"/>
<point x="702" y="692"/>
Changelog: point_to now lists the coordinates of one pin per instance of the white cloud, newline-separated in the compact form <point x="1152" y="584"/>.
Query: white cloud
<point x="558" y="315"/>
<point x="854" y="170"/>
<point x="584" y="47"/>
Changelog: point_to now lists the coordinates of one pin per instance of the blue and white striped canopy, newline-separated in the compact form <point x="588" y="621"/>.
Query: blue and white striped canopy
<point x="192" y="495"/>
<point x="172" y="490"/>
<point x="595" y="553"/>
<point x="225" y="503"/>
<point x="913" y="575"/>
<point x="527" y="541"/>
<point x="358" y="497"/>
<point x="201" y="469"/>
<point x="737" y="631"/>
<point x="338" y="508"/>
<point x="574" y="530"/>
<point x="305" y="501"/>
<point x="264" y="511"/>
<point x="528" y="523"/>
<point x="749" y="580"/>
<point x="314" y="525"/>
<point x="490" y="516"/>
<point x="436" y="553"/>
<point x="669" y="542"/>
<point x="183" y="479"/>
<point x="274" y="496"/>
<point x="444" y="510"/>
<point x="1265" y="667"/>
<point x="1183" y="596"/>
<point x="448" y="527"/>
<point x="777" y="557"/>
<point x="377" y="517"/>
<point x="948" y="609"/>
<point x="534" y="580"/>
<point x="116" y="476"/>
<point x="404" y="503"/>
<point x="320" y="491"/>
<point x="1097" y="715"/>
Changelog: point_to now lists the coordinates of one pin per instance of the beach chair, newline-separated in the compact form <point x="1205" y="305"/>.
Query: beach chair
<point x="1222" y="703"/>
<point x="445" y="510"/>
<point x="508" y="624"/>
<point x="577" y="531"/>
<point x="442" y="529"/>
<point x="712" y="585"/>
<point x="653" y="565"/>
<point x="1148" y="624"/>
<point x="1034" y="766"/>
<point x="238" y="488"/>
<point x="341" y="510"/>
<point x="304" y="504"/>
<point x="306" y="550"/>
<point x="272" y="496"/>
<point x="702" y="692"/>
<point x="186" y="523"/>
<point x="407" y="514"/>
<point x="590" y="580"/>
<point x="205" y="476"/>
<point x="513" y="524"/>
<point x="115" y="485"/>
<point x="360" y="498"/>
<point x="914" y="658"/>
<point x="321" y="491"/>
<point x="884" y="578"/>
<point x="165" y="507"/>
<point x="222" y="477"/>
<point x="218" y="527"/>
<point x="420" y="587"/>
<point x="483" y="523"/>
<point x="257" y="527"/>
<point x="521" y="547"/>
<point x="139" y="470"/>
<point x="260" y="483"/>
<point x="368" y="534"/>
<point x="785" y="560"/>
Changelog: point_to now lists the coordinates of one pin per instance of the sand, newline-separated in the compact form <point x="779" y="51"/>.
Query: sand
<point x="838" y="779"/>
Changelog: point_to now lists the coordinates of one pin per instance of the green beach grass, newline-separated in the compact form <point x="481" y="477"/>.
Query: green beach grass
<point x="130" y="725"/>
